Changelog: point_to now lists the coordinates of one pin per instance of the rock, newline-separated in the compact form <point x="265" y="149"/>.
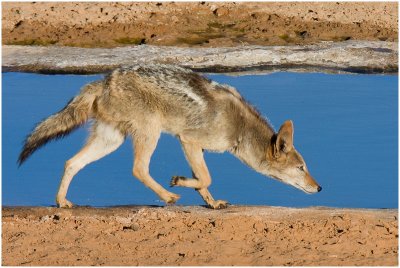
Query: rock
<point x="222" y="11"/>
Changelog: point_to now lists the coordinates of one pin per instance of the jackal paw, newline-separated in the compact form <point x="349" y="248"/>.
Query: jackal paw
<point x="175" y="180"/>
<point x="171" y="198"/>
<point x="218" y="204"/>
<point x="64" y="204"/>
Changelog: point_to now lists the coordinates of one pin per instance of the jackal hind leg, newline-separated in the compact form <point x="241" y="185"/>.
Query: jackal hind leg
<point x="144" y="145"/>
<point x="201" y="177"/>
<point x="103" y="140"/>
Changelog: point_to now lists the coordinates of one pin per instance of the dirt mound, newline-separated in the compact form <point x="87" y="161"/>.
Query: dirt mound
<point x="195" y="24"/>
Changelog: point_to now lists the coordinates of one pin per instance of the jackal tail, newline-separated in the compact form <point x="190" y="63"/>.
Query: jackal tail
<point x="73" y="115"/>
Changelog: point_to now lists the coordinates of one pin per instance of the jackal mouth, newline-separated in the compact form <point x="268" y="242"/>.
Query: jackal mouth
<point x="295" y="185"/>
<point x="303" y="189"/>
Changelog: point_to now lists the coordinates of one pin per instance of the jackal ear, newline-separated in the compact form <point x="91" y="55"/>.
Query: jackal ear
<point x="284" y="139"/>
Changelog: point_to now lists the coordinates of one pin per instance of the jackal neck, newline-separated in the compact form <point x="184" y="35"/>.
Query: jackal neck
<point x="253" y="140"/>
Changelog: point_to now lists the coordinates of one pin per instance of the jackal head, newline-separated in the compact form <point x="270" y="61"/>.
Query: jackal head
<point x="286" y="164"/>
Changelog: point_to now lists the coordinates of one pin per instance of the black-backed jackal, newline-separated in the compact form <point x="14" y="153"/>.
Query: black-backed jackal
<point x="144" y="100"/>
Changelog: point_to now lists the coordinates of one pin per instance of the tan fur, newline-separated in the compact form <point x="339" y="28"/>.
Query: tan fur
<point x="144" y="100"/>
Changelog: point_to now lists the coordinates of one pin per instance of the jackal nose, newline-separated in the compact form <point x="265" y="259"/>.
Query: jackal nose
<point x="319" y="188"/>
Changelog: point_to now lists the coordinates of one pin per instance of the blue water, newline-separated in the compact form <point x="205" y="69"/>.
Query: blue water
<point x="345" y="127"/>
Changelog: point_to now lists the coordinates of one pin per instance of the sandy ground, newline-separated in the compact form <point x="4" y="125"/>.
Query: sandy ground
<point x="177" y="235"/>
<point x="197" y="23"/>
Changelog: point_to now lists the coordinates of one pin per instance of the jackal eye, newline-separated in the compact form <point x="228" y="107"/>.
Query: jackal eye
<point x="301" y="168"/>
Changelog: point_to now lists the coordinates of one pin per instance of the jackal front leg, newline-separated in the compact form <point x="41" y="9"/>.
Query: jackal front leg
<point x="201" y="177"/>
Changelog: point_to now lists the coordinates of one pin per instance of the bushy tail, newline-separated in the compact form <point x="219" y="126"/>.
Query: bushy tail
<point x="73" y="115"/>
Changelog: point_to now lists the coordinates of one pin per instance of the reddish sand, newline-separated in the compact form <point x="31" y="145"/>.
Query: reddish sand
<point x="178" y="235"/>
<point x="94" y="24"/>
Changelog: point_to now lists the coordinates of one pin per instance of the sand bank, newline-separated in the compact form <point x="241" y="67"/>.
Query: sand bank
<point x="178" y="235"/>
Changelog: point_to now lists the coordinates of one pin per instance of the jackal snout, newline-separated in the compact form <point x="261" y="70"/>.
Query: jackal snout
<point x="310" y="185"/>
<point x="286" y="164"/>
